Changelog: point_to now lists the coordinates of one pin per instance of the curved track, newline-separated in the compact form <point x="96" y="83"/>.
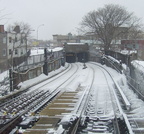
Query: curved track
<point x="89" y="94"/>
<point x="102" y="105"/>
<point x="33" y="99"/>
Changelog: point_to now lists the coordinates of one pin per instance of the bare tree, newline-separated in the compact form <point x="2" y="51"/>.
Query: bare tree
<point x="136" y="33"/>
<point x="110" y="22"/>
<point x="23" y="30"/>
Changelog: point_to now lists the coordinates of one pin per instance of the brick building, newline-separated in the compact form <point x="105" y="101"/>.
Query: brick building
<point x="13" y="47"/>
<point x="137" y="45"/>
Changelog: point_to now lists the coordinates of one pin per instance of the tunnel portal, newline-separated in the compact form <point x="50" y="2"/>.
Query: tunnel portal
<point x="76" y="52"/>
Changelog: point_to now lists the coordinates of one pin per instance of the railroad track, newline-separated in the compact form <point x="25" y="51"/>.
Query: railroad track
<point x="133" y="120"/>
<point x="31" y="101"/>
<point x="97" y="117"/>
<point x="122" y="104"/>
<point x="68" y="102"/>
<point x="82" y="104"/>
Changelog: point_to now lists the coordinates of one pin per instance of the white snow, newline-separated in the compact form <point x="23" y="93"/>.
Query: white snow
<point x="138" y="64"/>
<point x="137" y="105"/>
<point x="128" y="52"/>
<point x="40" y="78"/>
<point x="37" y="51"/>
<point x="4" y="75"/>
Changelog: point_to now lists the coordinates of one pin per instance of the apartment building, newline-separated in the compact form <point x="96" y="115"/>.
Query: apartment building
<point x="3" y="49"/>
<point x="136" y="45"/>
<point x="13" y="48"/>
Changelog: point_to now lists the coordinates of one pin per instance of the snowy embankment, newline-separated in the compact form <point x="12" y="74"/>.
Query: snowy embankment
<point x="139" y="65"/>
<point x="4" y="75"/>
<point x="137" y="73"/>
<point x="34" y="81"/>
<point x="137" y="105"/>
<point x="4" y="82"/>
<point x="41" y="78"/>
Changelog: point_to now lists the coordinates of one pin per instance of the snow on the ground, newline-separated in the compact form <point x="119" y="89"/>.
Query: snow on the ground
<point x="137" y="104"/>
<point x="37" y="51"/>
<point x="126" y="52"/>
<point x="138" y="64"/>
<point x="41" y="78"/>
<point x="4" y="75"/>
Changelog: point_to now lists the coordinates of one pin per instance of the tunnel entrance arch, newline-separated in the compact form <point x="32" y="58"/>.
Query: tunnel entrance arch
<point x="70" y="57"/>
<point x="76" y="52"/>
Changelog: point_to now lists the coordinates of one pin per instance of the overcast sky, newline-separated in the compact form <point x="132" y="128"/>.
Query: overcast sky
<point x="58" y="16"/>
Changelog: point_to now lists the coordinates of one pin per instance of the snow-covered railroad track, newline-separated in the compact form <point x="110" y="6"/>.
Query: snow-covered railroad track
<point x="17" y="94"/>
<point x="21" y="98"/>
<point x="31" y="101"/>
<point x="117" y="104"/>
<point x="85" y="97"/>
<point x="104" y="104"/>
<point x="70" y="101"/>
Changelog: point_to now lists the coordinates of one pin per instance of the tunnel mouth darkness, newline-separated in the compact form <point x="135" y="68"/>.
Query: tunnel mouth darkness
<point x="76" y="57"/>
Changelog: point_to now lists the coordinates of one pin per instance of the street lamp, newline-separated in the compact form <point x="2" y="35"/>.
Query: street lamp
<point x="38" y="29"/>
<point x="37" y="35"/>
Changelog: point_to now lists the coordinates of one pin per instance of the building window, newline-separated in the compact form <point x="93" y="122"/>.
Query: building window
<point x="30" y="74"/>
<point x="16" y="51"/>
<point x="10" y="39"/>
<point x="21" y="51"/>
<point x="10" y="51"/>
<point x="15" y="39"/>
<point x="4" y="52"/>
<point x="4" y="40"/>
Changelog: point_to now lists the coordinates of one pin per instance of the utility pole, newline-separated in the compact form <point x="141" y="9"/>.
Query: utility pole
<point x="38" y="29"/>
<point x="45" y="67"/>
<point x="11" y="79"/>
<point x="37" y="34"/>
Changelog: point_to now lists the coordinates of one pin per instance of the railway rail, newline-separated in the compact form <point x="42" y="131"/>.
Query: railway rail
<point x="72" y="100"/>
<point x="31" y="101"/>
<point x="134" y="122"/>
<point x="90" y="106"/>
<point x="86" y="114"/>
<point x="97" y="110"/>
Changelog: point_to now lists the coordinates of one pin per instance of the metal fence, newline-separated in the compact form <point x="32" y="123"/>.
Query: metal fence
<point x="135" y="80"/>
<point x="134" y="76"/>
<point x="32" y="61"/>
<point x="5" y="86"/>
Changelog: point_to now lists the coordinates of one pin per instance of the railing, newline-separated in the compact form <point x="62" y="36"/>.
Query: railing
<point x="111" y="62"/>
<point x="4" y="86"/>
<point x="136" y="87"/>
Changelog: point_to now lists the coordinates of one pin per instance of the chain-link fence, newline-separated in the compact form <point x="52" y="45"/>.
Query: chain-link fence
<point x="135" y="79"/>
<point x="5" y="85"/>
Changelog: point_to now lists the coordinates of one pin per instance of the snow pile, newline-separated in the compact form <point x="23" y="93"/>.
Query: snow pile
<point x="137" y="73"/>
<point x="113" y="59"/>
<point x="4" y="83"/>
<point x="137" y="105"/>
<point x="4" y="75"/>
<point x="37" y="51"/>
<point x="68" y="118"/>
<point x="128" y="52"/>
<point x="56" y="49"/>
<point x="138" y="65"/>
